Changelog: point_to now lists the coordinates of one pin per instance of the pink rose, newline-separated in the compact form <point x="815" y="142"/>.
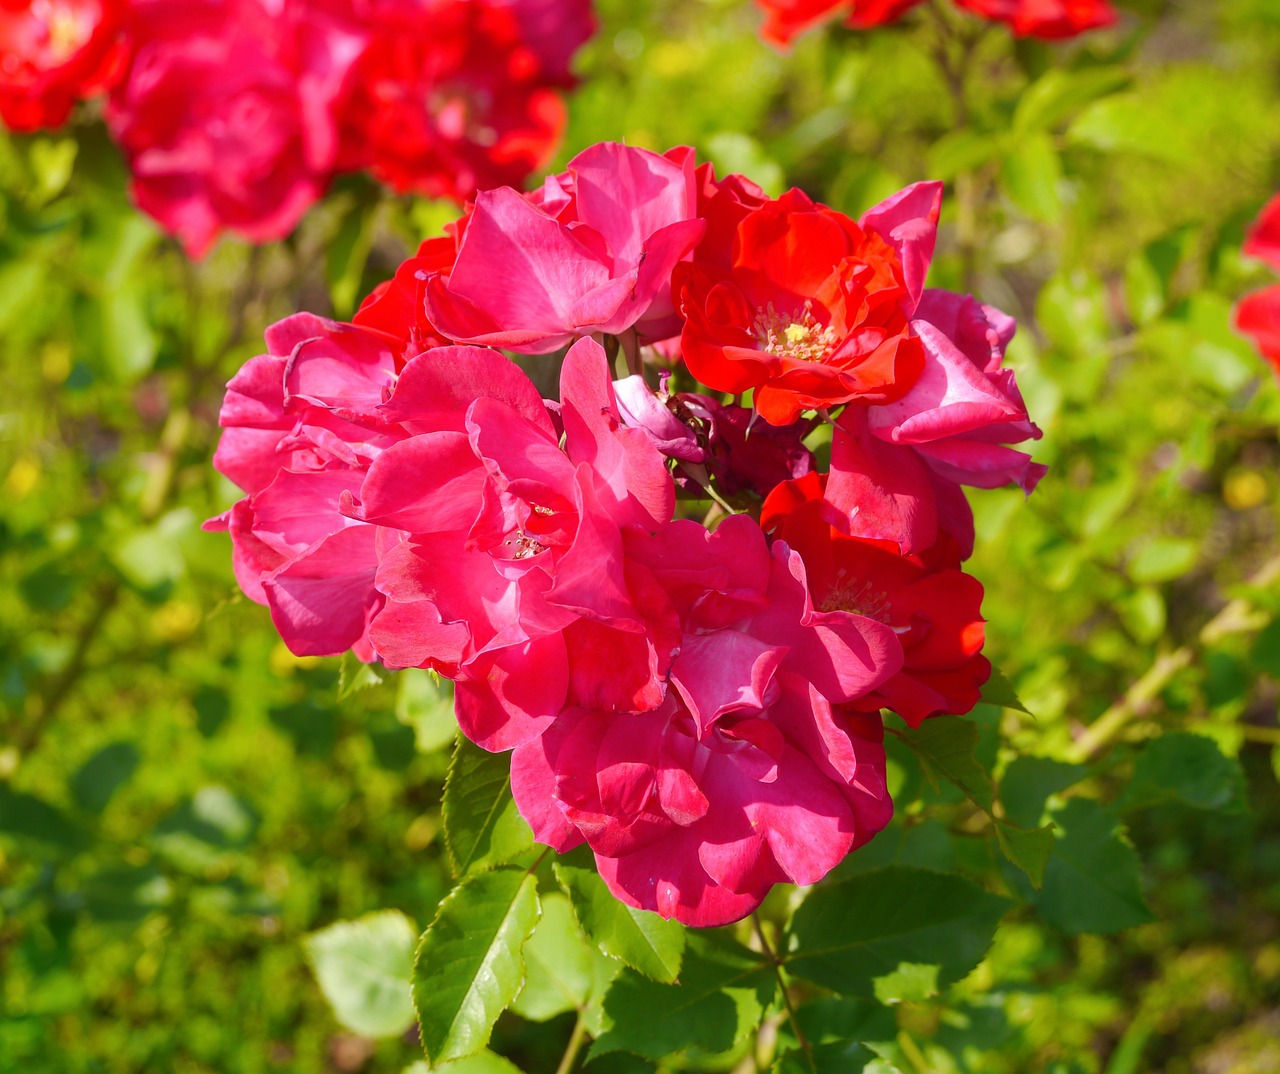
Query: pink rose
<point x="591" y="252"/>
<point x="746" y="773"/>
<point x="302" y="428"/>
<point x="895" y="468"/>
<point x="512" y="539"/>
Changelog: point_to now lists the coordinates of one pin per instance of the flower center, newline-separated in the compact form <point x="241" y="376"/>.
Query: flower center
<point x="851" y="595"/>
<point x="802" y="338"/>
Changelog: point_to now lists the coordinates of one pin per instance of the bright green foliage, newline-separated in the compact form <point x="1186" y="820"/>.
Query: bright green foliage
<point x="641" y="939"/>
<point x="559" y="965"/>
<point x="481" y="825"/>
<point x="363" y="968"/>
<point x="470" y="965"/>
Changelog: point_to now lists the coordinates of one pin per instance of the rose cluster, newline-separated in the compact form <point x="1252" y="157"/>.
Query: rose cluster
<point x="1048" y="19"/>
<point x="236" y="114"/>
<point x="647" y="588"/>
<point x="1257" y="315"/>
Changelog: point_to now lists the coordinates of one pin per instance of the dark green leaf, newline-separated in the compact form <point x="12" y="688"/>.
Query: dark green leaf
<point x="847" y="934"/>
<point x="1028" y="850"/>
<point x="28" y="817"/>
<point x="1091" y="883"/>
<point x="641" y="939"/>
<point x="722" y="996"/>
<point x="364" y="968"/>
<point x="945" y="746"/>
<point x="470" y="963"/>
<point x="98" y="779"/>
<point x="1028" y="783"/>
<point x="1189" y="769"/>
<point x="481" y="824"/>
<point x="835" y="1057"/>
<point x="998" y="690"/>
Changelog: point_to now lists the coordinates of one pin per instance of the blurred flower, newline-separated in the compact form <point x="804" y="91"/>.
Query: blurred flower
<point x="1049" y="19"/>
<point x="450" y="97"/>
<point x="54" y="53"/>
<point x="1257" y="315"/>
<point x="225" y="115"/>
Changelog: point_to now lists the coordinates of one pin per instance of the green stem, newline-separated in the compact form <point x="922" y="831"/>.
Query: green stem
<point x="576" y="1041"/>
<point x="1237" y="617"/>
<point x="769" y="951"/>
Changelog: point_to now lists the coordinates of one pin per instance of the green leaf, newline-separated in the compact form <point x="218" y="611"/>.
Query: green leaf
<point x="126" y="893"/>
<point x="1032" y="177"/>
<point x="426" y="704"/>
<point x="643" y="940"/>
<point x="1028" y="783"/>
<point x="27" y="817"/>
<point x="847" y="934"/>
<point x="911" y="982"/>
<point x="485" y="1062"/>
<point x="722" y="996"/>
<point x="364" y="968"/>
<point x="1059" y="93"/>
<point x="998" y="690"/>
<point x="355" y="675"/>
<point x="1129" y="123"/>
<point x="961" y="151"/>
<point x="1163" y="558"/>
<point x="482" y="827"/>
<point x="1028" y="850"/>
<point x="945" y="747"/>
<point x="470" y="963"/>
<point x="1091" y="883"/>
<point x="1186" y="768"/>
<point x="835" y="1057"/>
<point x="558" y="964"/>
<point x="201" y="832"/>
<point x="98" y="779"/>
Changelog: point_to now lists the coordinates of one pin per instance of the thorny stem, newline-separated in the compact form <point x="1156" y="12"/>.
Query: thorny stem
<point x="1237" y="617"/>
<point x="576" y="1041"/>
<point x="772" y="955"/>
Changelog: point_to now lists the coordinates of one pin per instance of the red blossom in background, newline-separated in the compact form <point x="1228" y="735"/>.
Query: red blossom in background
<point x="235" y="115"/>
<point x="225" y="115"/>
<point x="1257" y="315"/>
<point x="54" y="53"/>
<point x="450" y="97"/>
<point x="1048" y="19"/>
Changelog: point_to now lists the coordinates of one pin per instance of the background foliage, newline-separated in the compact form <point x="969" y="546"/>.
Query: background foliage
<point x="217" y="857"/>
